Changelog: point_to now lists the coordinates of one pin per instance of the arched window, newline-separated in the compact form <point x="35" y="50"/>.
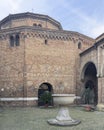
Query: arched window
<point x="39" y="25"/>
<point x="35" y="25"/>
<point x="79" y="45"/>
<point x="12" y="41"/>
<point x="17" y="40"/>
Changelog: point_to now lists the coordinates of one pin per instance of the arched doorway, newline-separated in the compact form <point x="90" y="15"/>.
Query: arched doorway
<point x="42" y="88"/>
<point x="90" y="83"/>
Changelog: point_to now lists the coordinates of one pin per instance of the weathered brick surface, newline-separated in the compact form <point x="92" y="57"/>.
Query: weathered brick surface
<point x="25" y="67"/>
<point x="11" y="69"/>
<point x="48" y="63"/>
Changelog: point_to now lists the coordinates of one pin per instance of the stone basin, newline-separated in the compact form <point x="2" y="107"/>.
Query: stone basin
<point x="63" y="99"/>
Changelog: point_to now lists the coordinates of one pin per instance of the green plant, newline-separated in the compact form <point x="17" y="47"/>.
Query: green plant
<point x="88" y="96"/>
<point x="46" y="97"/>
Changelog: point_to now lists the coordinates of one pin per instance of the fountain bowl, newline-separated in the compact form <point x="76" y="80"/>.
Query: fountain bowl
<point x="64" y="99"/>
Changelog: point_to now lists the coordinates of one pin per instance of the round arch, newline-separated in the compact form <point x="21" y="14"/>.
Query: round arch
<point x="89" y="81"/>
<point x="45" y="86"/>
<point x="90" y="63"/>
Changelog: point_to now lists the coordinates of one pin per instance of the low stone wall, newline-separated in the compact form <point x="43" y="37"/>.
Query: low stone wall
<point x="7" y="102"/>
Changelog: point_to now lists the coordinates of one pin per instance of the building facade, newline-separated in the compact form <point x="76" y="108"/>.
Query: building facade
<point x="37" y="54"/>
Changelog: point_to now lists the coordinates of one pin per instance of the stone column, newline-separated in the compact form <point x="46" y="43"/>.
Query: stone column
<point x="99" y="90"/>
<point x="100" y="74"/>
<point x="102" y="61"/>
<point x="98" y="58"/>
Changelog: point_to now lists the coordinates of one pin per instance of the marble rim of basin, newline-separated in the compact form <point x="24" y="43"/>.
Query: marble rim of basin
<point x="63" y="99"/>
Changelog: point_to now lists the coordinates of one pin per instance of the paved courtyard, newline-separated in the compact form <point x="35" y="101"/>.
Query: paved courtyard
<point x="34" y="118"/>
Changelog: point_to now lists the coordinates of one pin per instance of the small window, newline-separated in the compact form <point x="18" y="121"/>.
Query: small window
<point x="17" y="38"/>
<point x="35" y="25"/>
<point x="79" y="45"/>
<point x="39" y="25"/>
<point x="11" y="41"/>
<point x="46" y="41"/>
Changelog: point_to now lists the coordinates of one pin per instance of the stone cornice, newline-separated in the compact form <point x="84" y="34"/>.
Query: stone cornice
<point x="46" y="34"/>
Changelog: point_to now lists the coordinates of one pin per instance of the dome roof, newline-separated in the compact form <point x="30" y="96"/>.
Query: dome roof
<point x="32" y="16"/>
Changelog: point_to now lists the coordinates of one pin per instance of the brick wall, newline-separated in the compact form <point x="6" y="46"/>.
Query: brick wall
<point x="52" y="62"/>
<point x="11" y="69"/>
<point x="43" y="56"/>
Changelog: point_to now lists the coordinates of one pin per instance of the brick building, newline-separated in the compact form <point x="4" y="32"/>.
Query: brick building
<point x="37" y="54"/>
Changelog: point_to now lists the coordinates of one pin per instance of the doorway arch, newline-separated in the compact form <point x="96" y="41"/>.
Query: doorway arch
<point x="89" y="80"/>
<point x="42" y="88"/>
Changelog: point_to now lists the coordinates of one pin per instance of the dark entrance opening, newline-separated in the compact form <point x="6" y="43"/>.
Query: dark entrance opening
<point x="89" y="92"/>
<point x="42" y="88"/>
<point x="90" y="83"/>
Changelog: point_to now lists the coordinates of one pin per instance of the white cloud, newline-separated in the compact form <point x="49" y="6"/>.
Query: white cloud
<point x="97" y="30"/>
<point x="9" y="7"/>
<point x="36" y="6"/>
<point x="89" y="25"/>
<point x="14" y="5"/>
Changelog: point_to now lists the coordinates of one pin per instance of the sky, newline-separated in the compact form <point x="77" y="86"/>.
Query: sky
<point x="83" y="16"/>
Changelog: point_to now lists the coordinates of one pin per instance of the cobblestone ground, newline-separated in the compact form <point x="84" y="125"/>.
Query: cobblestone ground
<point x="36" y="119"/>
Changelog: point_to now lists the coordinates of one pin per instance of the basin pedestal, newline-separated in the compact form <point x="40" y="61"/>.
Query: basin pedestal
<point x="63" y="117"/>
